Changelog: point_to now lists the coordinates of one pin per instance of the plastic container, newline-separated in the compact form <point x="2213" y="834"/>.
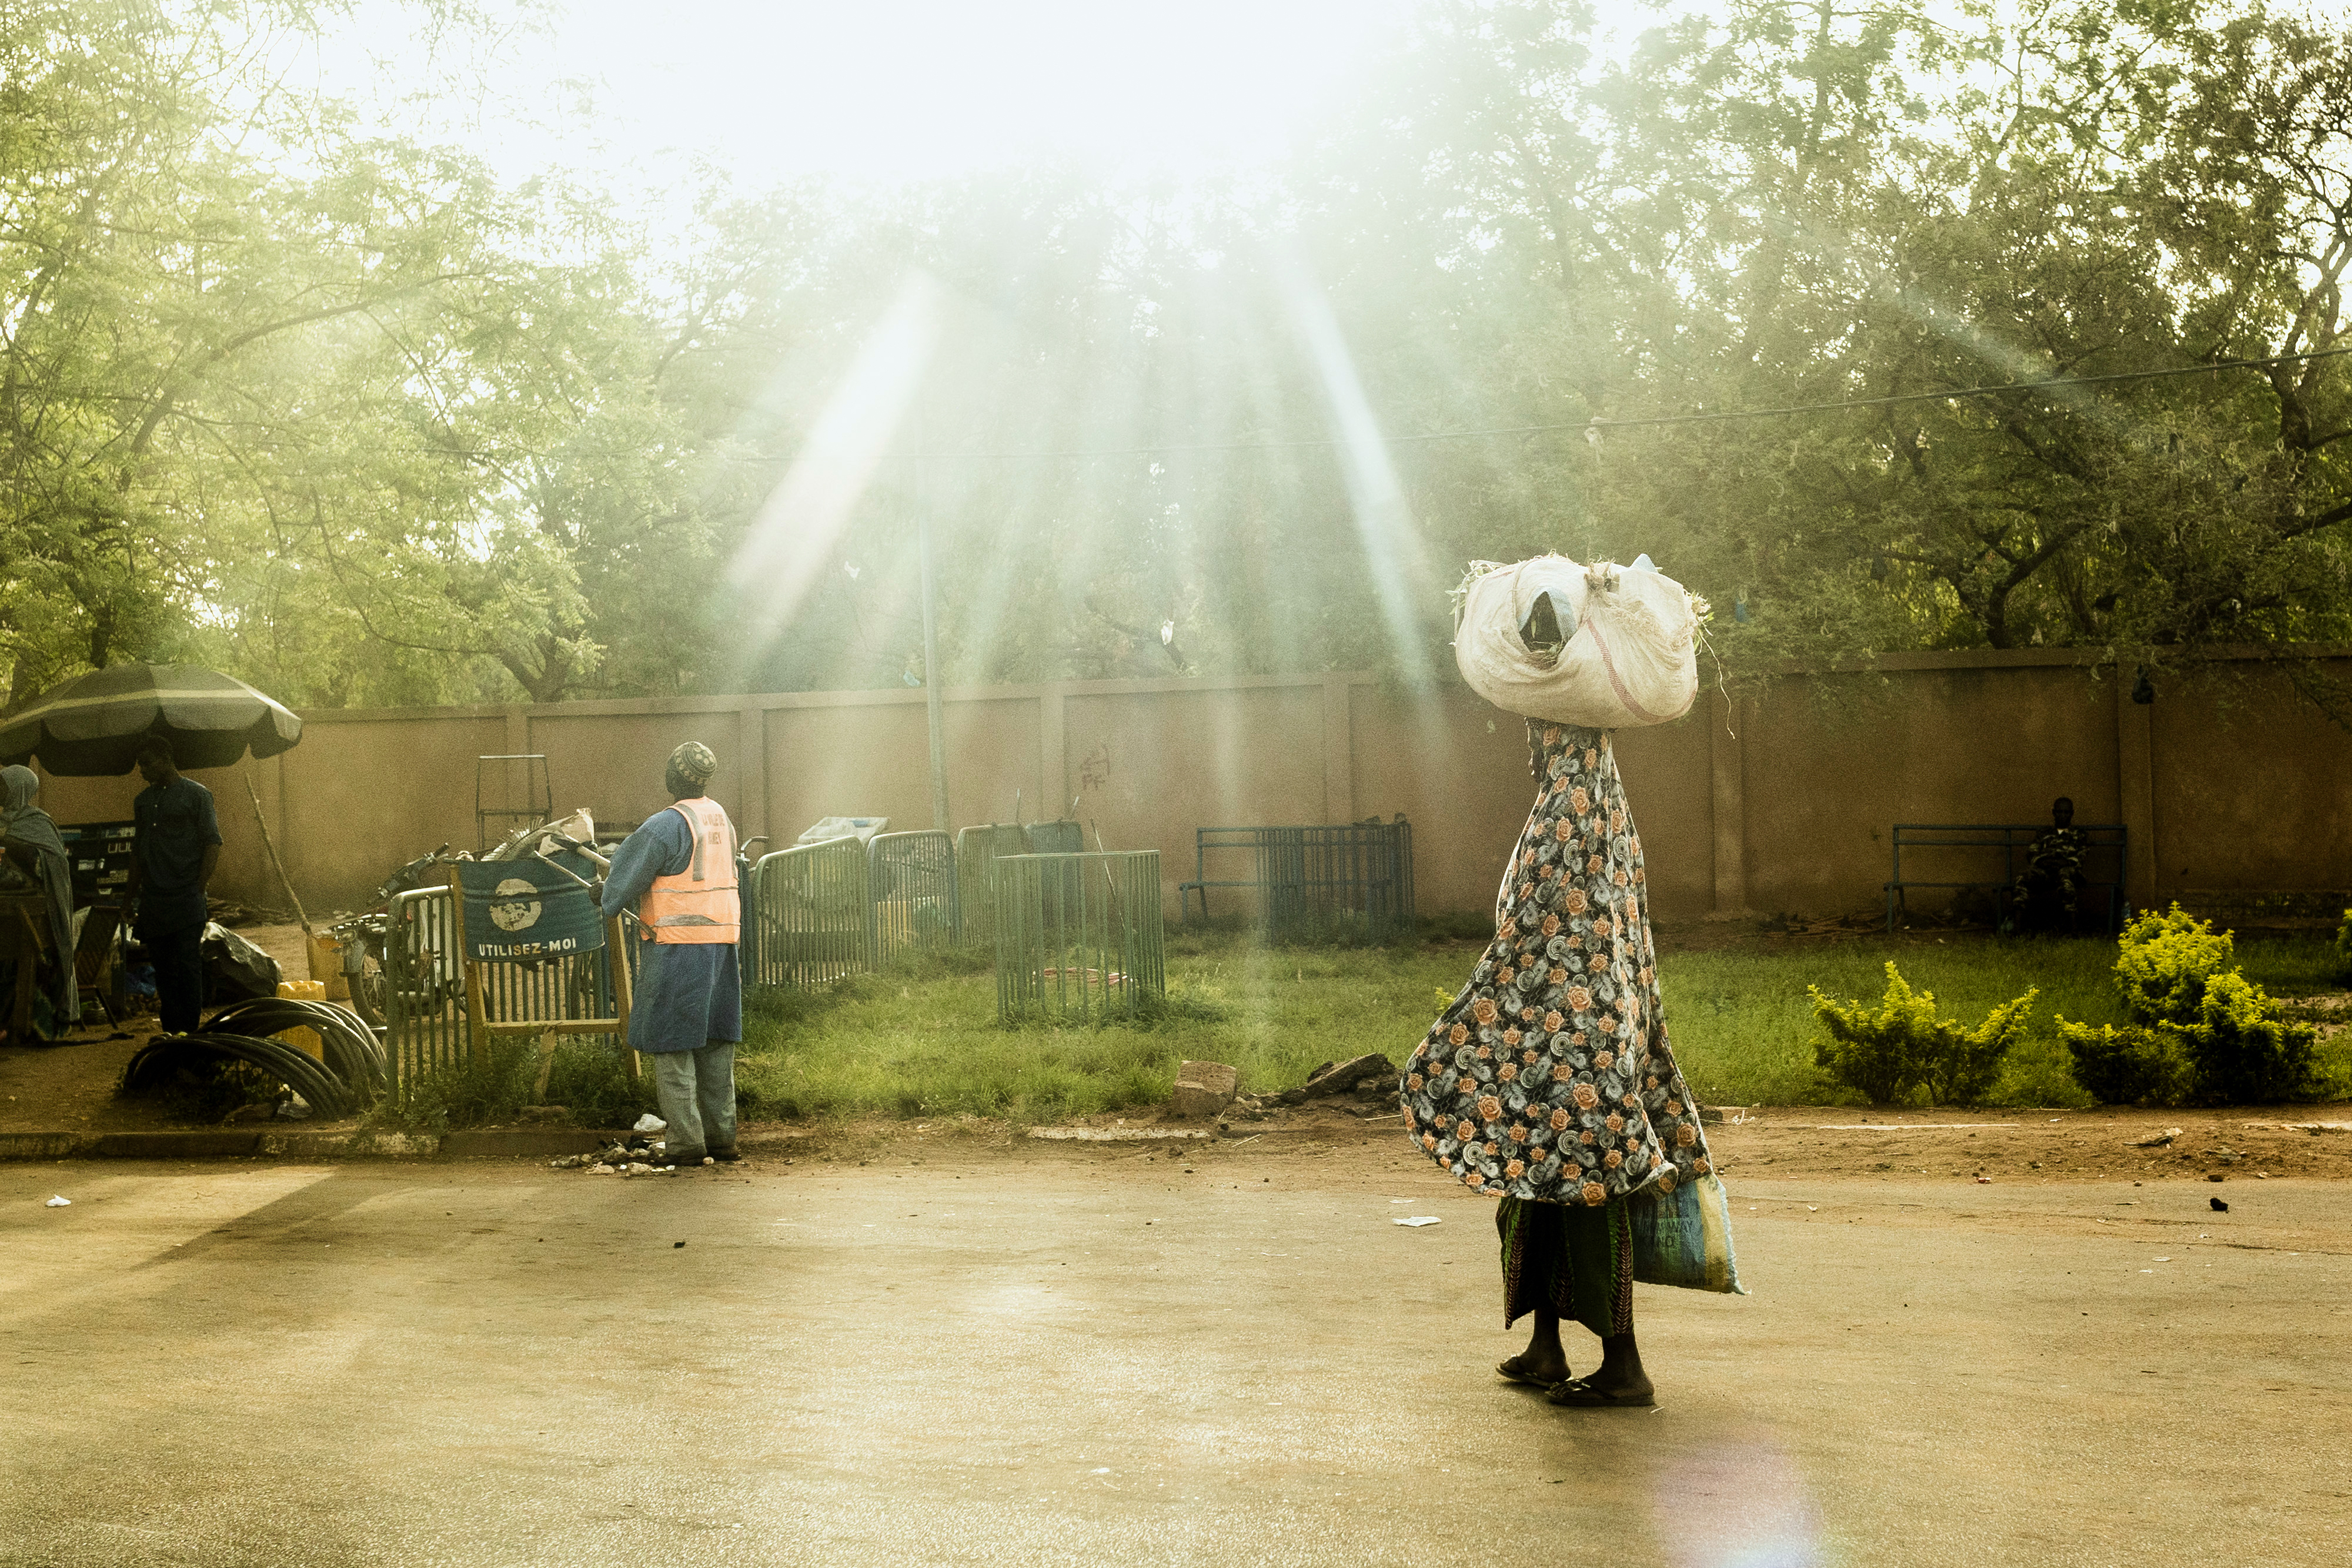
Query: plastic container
<point x="327" y="968"/>
<point x="306" y="1041"/>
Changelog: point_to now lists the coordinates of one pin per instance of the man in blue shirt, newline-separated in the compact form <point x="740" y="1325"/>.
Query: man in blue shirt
<point x="173" y="857"/>
<point x="677" y="871"/>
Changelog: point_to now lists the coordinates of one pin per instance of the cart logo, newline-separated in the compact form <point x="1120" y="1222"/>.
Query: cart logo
<point x="514" y="904"/>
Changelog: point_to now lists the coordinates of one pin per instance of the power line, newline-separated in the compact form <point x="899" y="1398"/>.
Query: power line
<point x="1651" y="422"/>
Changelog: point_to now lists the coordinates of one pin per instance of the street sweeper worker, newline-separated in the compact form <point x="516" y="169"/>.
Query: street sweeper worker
<point x="677" y="871"/>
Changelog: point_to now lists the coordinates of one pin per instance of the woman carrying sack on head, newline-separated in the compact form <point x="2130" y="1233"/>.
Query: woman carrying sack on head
<point x="1549" y="1083"/>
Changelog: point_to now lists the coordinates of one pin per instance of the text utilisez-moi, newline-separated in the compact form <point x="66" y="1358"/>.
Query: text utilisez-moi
<point x="547" y="949"/>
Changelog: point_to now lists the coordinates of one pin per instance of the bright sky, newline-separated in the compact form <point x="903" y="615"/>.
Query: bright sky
<point x="886" y="90"/>
<point x="881" y="90"/>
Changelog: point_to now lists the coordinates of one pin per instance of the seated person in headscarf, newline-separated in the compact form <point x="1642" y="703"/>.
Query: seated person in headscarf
<point x="2049" y="891"/>
<point x="34" y="856"/>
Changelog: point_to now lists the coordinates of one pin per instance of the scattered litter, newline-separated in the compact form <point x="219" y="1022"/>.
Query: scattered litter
<point x="618" y="1156"/>
<point x="67" y="1203"/>
<point x="600" y="1170"/>
<point x="2219" y="1206"/>
<point x="1984" y="1181"/>
<point x="2156" y="1140"/>
<point x="1812" y="1209"/>
<point x="1419" y="1219"/>
<point x="2159" y="1260"/>
<point x="649" y="1123"/>
<point x="1092" y="977"/>
<point x="678" y="1244"/>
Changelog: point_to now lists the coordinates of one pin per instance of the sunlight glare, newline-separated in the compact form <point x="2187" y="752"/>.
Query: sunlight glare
<point x="1392" y="544"/>
<point x="790" y="543"/>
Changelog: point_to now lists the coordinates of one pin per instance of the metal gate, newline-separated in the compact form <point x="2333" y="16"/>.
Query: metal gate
<point x="425" y="1002"/>
<point x="913" y="878"/>
<point x="1078" y="937"/>
<point x="426" y="996"/>
<point x="814" y="905"/>
<point x="977" y="851"/>
<point x="1313" y="881"/>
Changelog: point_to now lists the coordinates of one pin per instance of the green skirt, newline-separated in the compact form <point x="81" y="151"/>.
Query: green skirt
<point x="1573" y="1261"/>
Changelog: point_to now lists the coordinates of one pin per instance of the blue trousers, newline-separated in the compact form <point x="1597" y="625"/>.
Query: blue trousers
<point x="696" y="1092"/>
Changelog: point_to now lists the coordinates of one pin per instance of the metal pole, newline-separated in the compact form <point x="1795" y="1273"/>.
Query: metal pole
<point x="932" y="661"/>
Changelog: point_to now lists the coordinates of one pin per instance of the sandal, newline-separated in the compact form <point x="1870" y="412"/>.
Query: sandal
<point x="1582" y="1394"/>
<point x="1515" y="1370"/>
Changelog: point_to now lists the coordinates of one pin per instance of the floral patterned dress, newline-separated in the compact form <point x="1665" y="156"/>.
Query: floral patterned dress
<point x="1549" y="1078"/>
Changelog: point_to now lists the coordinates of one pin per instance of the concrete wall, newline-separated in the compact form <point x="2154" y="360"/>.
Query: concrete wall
<point x="1776" y="804"/>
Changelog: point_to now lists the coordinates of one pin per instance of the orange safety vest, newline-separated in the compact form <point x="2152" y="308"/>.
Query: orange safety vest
<point x="699" y="903"/>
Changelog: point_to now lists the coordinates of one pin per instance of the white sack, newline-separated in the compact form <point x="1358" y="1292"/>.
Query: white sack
<point x="1631" y="659"/>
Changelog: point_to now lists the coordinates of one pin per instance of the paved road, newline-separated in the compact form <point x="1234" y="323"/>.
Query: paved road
<point x="1012" y="1361"/>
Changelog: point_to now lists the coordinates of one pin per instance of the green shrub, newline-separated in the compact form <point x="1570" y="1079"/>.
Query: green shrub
<point x="2201" y="1030"/>
<point x="591" y="1080"/>
<point x="2344" y="951"/>
<point x="468" y="1091"/>
<point x="2245" y="1053"/>
<point x="2165" y="962"/>
<point x="2134" y="1065"/>
<point x="1962" y="1065"/>
<point x="2039" y="1072"/>
<point x="1902" y="1046"/>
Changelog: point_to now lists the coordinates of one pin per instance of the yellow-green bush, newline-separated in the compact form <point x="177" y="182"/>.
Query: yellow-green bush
<point x="2245" y="1053"/>
<point x="2344" y="950"/>
<point x="2201" y="1030"/>
<point x="2165" y="961"/>
<point x="1889" y="1053"/>
<point x="2134" y="1065"/>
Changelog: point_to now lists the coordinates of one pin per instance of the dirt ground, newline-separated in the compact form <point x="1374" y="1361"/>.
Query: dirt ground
<point x="68" y="1086"/>
<point x="945" y="1344"/>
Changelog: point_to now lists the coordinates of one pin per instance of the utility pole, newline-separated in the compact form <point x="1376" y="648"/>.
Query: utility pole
<point x="932" y="658"/>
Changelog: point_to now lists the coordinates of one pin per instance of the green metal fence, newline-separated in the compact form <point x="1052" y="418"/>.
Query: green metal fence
<point x="424" y="1006"/>
<point x="1059" y="838"/>
<point x="1078" y="937"/>
<point x="425" y="1009"/>
<point x="912" y="877"/>
<point x="977" y="851"/>
<point x="1310" y="883"/>
<point x="814" y="909"/>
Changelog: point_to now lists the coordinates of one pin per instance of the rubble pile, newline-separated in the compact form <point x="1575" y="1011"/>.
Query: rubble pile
<point x="634" y="1156"/>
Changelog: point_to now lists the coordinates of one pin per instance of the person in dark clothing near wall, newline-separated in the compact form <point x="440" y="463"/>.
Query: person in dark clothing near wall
<point x="678" y="871"/>
<point x="173" y="859"/>
<point x="2048" y="893"/>
<point x="33" y="856"/>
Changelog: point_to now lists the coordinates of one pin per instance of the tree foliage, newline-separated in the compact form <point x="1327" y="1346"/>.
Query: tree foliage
<point x="347" y="416"/>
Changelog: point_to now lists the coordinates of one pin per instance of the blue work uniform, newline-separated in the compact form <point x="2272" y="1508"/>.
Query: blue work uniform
<point x="687" y="994"/>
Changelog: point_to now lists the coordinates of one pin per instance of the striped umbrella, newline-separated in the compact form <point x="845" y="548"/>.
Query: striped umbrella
<point x="91" y="725"/>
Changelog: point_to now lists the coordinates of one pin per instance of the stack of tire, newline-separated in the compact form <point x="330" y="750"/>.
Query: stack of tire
<point x="352" y="1074"/>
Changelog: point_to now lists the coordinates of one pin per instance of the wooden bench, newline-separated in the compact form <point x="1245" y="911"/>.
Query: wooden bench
<point x="2014" y="841"/>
